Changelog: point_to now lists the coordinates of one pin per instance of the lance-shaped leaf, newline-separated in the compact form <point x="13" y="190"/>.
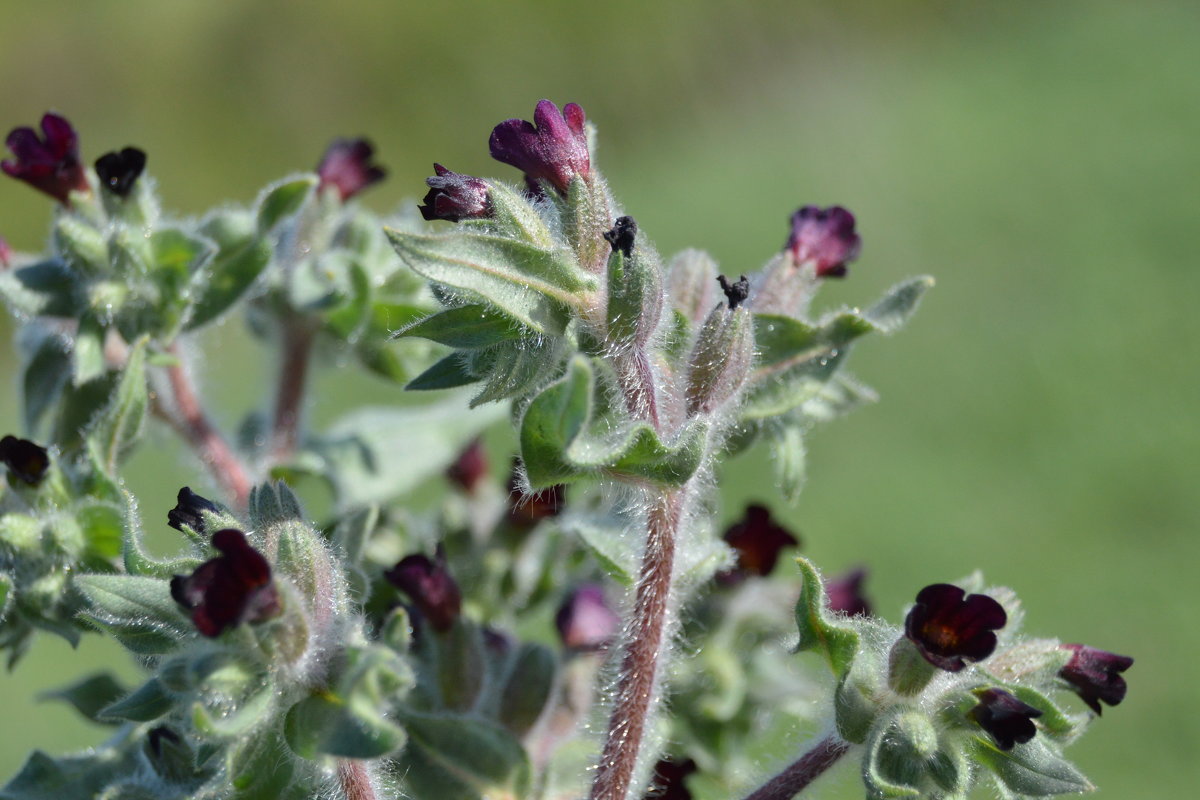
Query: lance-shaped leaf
<point x="455" y="757"/>
<point x="535" y="287"/>
<point x="530" y="682"/>
<point x="46" y="374"/>
<point x="89" y="695"/>
<point x="451" y="372"/>
<point x="466" y="327"/>
<point x="48" y="288"/>
<point x="513" y="369"/>
<point x="227" y="276"/>
<point x="820" y="630"/>
<point x="1034" y="768"/>
<point x="282" y="199"/>
<point x="148" y="702"/>
<point x="138" y="611"/>
<point x="115" y="430"/>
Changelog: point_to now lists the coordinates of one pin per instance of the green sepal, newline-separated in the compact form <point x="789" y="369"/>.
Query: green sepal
<point x="260" y="767"/>
<point x="857" y="700"/>
<point x="177" y="256"/>
<point x="531" y="680"/>
<point x="90" y="695"/>
<point x="820" y="630"/>
<point x="1054" y="722"/>
<point x="47" y="288"/>
<point x="226" y="278"/>
<point x="879" y="784"/>
<point x="272" y="503"/>
<point x="635" y="294"/>
<point x="283" y="199"/>
<point x="250" y="713"/>
<point x="1034" y="768"/>
<point x="148" y="702"/>
<point x="324" y="724"/>
<point x="119" y="425"/>
<point x="138" y="611"/>
<point x="513" y="369"/>
<point x="81" y="245"/>
<point x="458" y="658"/>
<point x="514" y="216"/>
<point x="449" y="373"/>
<point x="87" y="356"/>
<point x="455" y="757"/>
<point x="468" y="327"/>
<point x="790" y="457"/>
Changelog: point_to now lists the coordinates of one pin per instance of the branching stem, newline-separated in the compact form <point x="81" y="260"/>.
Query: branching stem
<point x="809" y="767"/>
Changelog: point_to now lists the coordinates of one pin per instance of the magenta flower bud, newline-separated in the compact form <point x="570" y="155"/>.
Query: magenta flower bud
<point x="950" y="627"/>
<point x="1004" y="717"/>
<point x="430" y="586"/>
<point x="454" y="197"/>
<point x="6" y="254"/>
<point x="758" y="541"/>
<point x="585" y="621"/>
<point x="844" y="593"/>
<point x="552" y="148"/>
<point x="469" y="468"/>
<point x="119" y="171"/>
<point x="825" y="237"/>
<point x="25" y="460"/>
<point x="1095" y="675"/>
<point x="347" y="167"/>
<point x="49" y="163"/>
<point x="189" y="511"/>
<point x="233" y="588"/>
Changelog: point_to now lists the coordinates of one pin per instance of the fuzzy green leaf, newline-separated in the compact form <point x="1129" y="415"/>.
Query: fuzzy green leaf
<point x="88" y="353"/>
<point x="282" y="199"/>
<point x="223" y="282"/>
<point x="452" y="757"/>
<point x="326" y="724"/>
<point x="148" y="702"/>
<point x="449" y="373"/>
<point x="465" y="327"/>
<point x="138" y="611"/>
<point x="48" y="288"/>
<point x="527" y="691"/>
<point x="46" y="374"/>
<point x="1034" y="768"/>
<point x="260" y="768"/>
<point x="89" y="695"/>
<point x="119" y="426"/>
<point x="820" y="630"/>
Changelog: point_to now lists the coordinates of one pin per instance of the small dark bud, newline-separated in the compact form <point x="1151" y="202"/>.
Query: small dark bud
<point x="1004" y="717"/>
<point x="347" y="168"/>
<point x="737" y="292"/>
<point x="118" y="171"/>
<point x="430" y="586"/>
<point x="621" y="236"/>
<point x="1095" y="675"/>
<point x="585" y="621"/>
<point x="25" y="460"/>
<point x="454" y="197"/>
<point x="225" y="591"/>
<point x="552" y="148"/>
<point x="158" y="736"/>
<point x="189" y="511"/>
<point x="845" y="594"/>
<point x="951" y="628"/>
<point x="758" y="540"/>
<point x="669" y="778"/>
<point x="825" y="237"/>
<point x="49" y="163"/>
<point x="527" y="510"/>
<point x="469" y="468"/>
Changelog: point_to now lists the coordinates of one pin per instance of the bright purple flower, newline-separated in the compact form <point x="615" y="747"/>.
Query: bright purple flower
<point x="430" y="586"/>
<point x="233" y="588"/>
<point x="1095" y="675"/>
<point x="6" y="253"/>
<point x="347" y="167"/>
<point x="189" y="511"/>
<point x="758" y="540"/>
<point x="454" y="197"/>
<point x="585" y="621"/>
<point x="470" y="467"/>
<point x="25" y="460"/>
<point x="845" y="594"/>
<point x="668" y="781"/>
<point x="118" y="171"/>
<point x="826" y="237"/>
<point x="950" y="627"/>
<point x="49" y="163"/>
<point x="1006" y="718"/>
<point x="527" y="510"/>
<point x="552" y="148"/>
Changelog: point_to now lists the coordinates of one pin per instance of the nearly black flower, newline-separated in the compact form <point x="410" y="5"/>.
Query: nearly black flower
<point x="188" y="511"/>
<point x="585" y="621"/>
<point x="25" y="460"/>
<point x="950" y="627"/>
<point x="454" y="197"/>
<point x="622" y="235"/>
<point x="49" y="163"/>
<point x="347" y="167"/>
<point x="845" y="594"/>
<point x="736" y="292"/>
<point x="668" y="780"/>
<point x="431" y="587"/>
<point x="758" y="540"/>
<point x="233" y="588"/>
<point x="1095" y="675"/>
<point x="825" y="237"/>
<point x="1004" y="717"/>
<point x="119" y="171"/>
<point x="552" y="148"/>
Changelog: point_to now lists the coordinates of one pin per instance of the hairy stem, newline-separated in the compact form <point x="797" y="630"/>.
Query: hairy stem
<point x="298" y="336"/>
<point x="639" y="666"/>
<point x="355" y="780"/>
<point x="808" y="768"/>
<point x="191" y="422"/>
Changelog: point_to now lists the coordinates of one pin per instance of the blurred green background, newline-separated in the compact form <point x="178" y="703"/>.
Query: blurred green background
<point x="1038" y="417"/>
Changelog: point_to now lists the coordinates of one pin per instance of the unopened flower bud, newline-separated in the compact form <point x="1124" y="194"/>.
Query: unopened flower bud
<point x="347" y="167"/>
<point x="691" y="284"/>
<point x="1004" y="717"/>
<point x="585" y="621"/>
<point x="118" y="171"/>
<point x="49" y="163"/>
<point x="824" y="237"/>
<point x="721" y="359"/>
<point x="233" y="588"/>
<point x="25" y="460"/>
<point x="189" y="511"/>
<point x="635" y="295"/>
<point x="844" y="593"/>
<point x="1095" y="675"/>
<point x="454" y="197"/>
<point x="430" y="586"/>
<point x="552" y="148"/>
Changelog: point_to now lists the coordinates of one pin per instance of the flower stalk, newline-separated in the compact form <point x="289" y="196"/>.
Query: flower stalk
<point x="796" y="776"/>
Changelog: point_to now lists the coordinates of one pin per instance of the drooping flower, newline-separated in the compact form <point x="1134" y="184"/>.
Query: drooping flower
<point x="585" y="621"/>
<point x="845" y="594"/>
<point x="758" y="540"/>
<point x="1004" y="717"/>
<point x="826" y="238"/>
<point x="50" y="162"/>
<point x="347" y="168"/>
<point x="233" y="588"/>
<point x="470" y="467"/>
<point x="430" y="586"/>
<point x="950" y="627"/>
<point x="455" y="197"/>
<point x="552" y="148"/>
<point x="119" y="171"/>
<point x="1095" y="675"/>
<point x="189" y="511"/>
<point x="25" y="460"/>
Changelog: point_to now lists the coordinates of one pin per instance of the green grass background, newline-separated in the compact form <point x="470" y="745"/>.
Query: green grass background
<point x="1038" y="418"/>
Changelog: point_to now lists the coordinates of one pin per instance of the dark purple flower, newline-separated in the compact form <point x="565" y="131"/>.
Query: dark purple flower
<point x="552" y="148"/>
<point x="233" y="588"/>
<point x="6" y="253"/>
<point x="430" y="586"/>
<point x="758" y="540"/>
<point x="470" y="467"/>
<point x="950" y="627"/>
<point x="824" y="236"/>
<point x="1006" y="718"/>
<point x="1095" y="675"/>
<point x="189" y="511"/>
<point x="622" y="235"/>
<point x="845" y="594"/>
<point x="25" y="460"/>
<point x="736" y="292"/>
<point x="49" y="163"/>
<point x="668" y="781"/>
<point x="585" y="621"/>
<point x="118" y="171"/>
<point x="454" y="197"/>
<point x="527" y="510"/>
<point x="347" y="167"/>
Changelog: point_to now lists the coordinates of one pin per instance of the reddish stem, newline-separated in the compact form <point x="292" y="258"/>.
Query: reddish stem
<point x="298" y="336"/>
<point x="355" y="780"/>
<point x="795" y="777"/>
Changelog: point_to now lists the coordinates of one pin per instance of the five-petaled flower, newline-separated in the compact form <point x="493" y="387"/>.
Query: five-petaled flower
<point x="25" y="460"/>
<point x="1095" y="675"/>
<point x="552" y="148"/>
<point x="757" y="539"/>
<point x="49" y="163"/>
<point x="118" y="171"/>
<point x="455" y="197"/>
<point x="1004" y="717"/>
<point x="233" y="588"/>
<point x="825" y="237"/>
<point x="585" y="621"/>
<point x="950" y="627"/>
<point x="347" y="168"/>
<point x="431" y="587"/>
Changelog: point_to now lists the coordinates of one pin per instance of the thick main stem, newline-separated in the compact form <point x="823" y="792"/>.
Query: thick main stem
<point x="298" y="335"/>
<point x="639" y="666"/>
<point x="355" y="780"/>
<point x="808" y="768"/>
